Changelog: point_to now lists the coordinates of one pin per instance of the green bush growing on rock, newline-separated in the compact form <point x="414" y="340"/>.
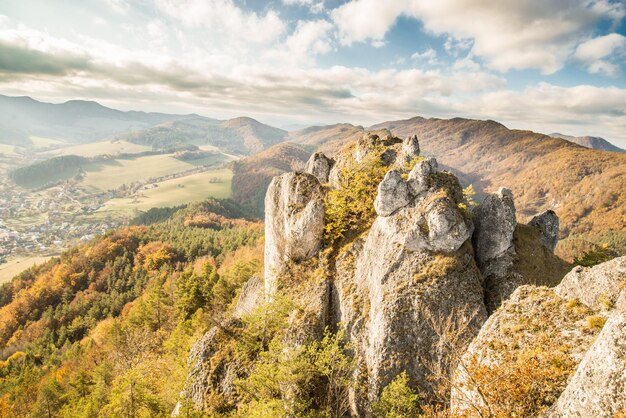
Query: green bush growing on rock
<point x="351" y="207"/>
<point x="397" y="400"/>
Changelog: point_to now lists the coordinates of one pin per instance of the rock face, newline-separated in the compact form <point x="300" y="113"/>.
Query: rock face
<point x="294" y="227"/>
<point x="598" y="387"/>
<point x="548" y="224"/>
<point x="393" y="193"/>
<point x="495" y="224"/>
<point x="598" y="287"/>
<point x="535" y="322"/>
<point x="320" y="165"/>
<point x="249" y="298"/>
<point x="410" y="149"/>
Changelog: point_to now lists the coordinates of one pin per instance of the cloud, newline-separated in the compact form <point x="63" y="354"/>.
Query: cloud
<point x="311" y="37"/>
<point x="599" y="55"/>
<point x="224" y="18"/>
<point x="20" y="61"/>
<point x="361" y="20"/>
<point x="507" y="34"/>
<point x="118" y="6"/>
<point x="315" y="6"/>
<point x="428" y="56"/>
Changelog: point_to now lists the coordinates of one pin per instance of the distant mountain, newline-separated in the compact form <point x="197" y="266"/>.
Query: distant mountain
<point x="241" y="136"/>
<point x="73" y="121"/>
<point x="593" y="142"/>
<point x="78" y="121"/>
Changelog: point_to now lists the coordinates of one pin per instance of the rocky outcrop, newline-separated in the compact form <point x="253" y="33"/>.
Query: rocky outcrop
<point x="598" y="387"/>
<point x="534" y="327"/>
<point x="249" y="298"/>
<point x="548" y="224"/>
<point x="320" y="165"/>
<point x="393" y="194"/>
<point x="598" y="287"/>
<point x="417" y="265"/>
<point x="495" y="224"/>
<point x="294" y="227"/>
<point x="410" y="150"/>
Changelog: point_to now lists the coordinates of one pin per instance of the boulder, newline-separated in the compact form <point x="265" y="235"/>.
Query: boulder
<point x="393" y="193"/>
<point x="598" y="287"/>
<point x="320" y="165"/>
<point x="294" y="223"/>
<point x="495" y="223"/>
<point x="548" y="224"/>
<point x="598" y="387"/>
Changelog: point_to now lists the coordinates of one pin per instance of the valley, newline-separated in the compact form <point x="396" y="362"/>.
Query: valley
<point x="115" y="181"/>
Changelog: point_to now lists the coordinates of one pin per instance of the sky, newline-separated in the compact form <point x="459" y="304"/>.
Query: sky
<point x="543" y="65"/>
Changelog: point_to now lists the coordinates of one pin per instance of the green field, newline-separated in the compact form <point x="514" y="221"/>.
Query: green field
<point x="40" y="142"/>
<point x="7" y="149"/>
<point x="17" y="265"/>
<point x="112" y="174"/>
<point x="99" y="148"/>
<point x="173" y="193"/>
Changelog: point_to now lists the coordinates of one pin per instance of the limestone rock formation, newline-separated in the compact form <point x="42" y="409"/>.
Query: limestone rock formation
<point x="410" y="149"/>
<point x="548" y="224"/>
<point x="320" y="165"/>
<point x="598" y="387"/>
<point x="598" y="287"/>
<point x="420" y="260"/>
<point x="249" y="298"/>
<point x="534" y="325"/>
<point x="393" y="193"/>
<point x="495" y="223"/>
<point x="294" y="227"/>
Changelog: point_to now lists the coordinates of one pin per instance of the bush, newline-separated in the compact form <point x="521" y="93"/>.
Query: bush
<point x="595" y="256"/>
<point x="351" y="207"/>
<point x="398" y="400"/>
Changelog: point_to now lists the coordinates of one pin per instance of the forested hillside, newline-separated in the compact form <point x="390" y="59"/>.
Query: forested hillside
<point x="104" y="330"/>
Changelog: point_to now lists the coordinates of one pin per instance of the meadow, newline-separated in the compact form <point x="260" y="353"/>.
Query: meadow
<point x="174" y="192"/>
<point x="16" y="265"/>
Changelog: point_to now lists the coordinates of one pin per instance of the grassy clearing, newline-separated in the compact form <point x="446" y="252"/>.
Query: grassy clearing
<point x="112" y="174"/>
<point x="15" y="266"/>
<point x="7" y="149"/>
<point x="173" y="193"/>
<point x="99" y="148"/>
<point x="41" y="142"/>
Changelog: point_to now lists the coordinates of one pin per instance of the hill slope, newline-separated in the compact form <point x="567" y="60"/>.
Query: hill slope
<point x="74" y="121"/>
<point x="593" y="142"/>
<point x="240" y="135"/>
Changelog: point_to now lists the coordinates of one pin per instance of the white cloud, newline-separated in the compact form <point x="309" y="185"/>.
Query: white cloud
<point x="223" y="17"/>
<point x="361" y="20"/>
<point x="599" y="55"/>
<point x="311" y="37"/>
<point x="118" y="6"/>
<point x="315" y="6"/>
<point x="428" y="56"/>
<point x="507" y="34"/>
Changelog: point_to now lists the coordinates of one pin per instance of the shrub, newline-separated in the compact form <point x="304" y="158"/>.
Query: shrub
<point x="595" y="256"/>
<point x="351" y="207"/>
<point x="397" y="400"/>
